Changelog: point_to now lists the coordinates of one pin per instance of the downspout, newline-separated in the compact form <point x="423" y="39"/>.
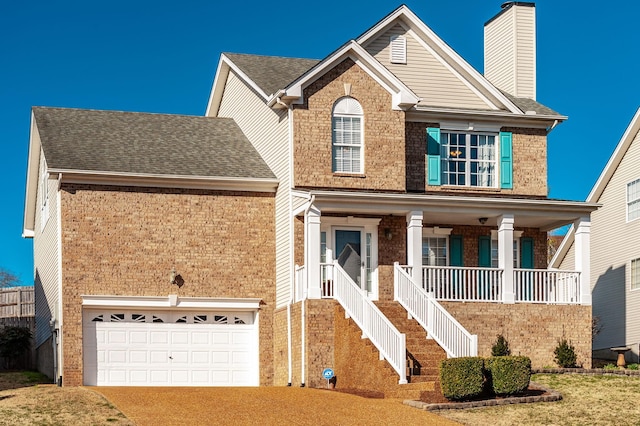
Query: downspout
<point x="54" y="346"/>
<point x="291" y="257"/>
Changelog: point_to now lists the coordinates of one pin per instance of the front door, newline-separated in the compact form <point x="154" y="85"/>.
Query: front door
<point x="348" y="252"/>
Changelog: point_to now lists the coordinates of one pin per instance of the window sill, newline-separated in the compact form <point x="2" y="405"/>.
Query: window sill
<point x="470" y="188"/>
<point x="350" y="175"/>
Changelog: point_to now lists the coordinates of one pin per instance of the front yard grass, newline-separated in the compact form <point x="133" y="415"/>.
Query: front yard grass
<point x="28" y="398"/>
<point x="587" y="400"/>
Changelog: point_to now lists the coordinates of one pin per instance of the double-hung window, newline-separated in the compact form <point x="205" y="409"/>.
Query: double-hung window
<point x="635" y="274"/>
<point x="348" y="137"/>
<point x="633" y="200"/>
<point x="468" y="159"/>
<point x="478" y="159"/>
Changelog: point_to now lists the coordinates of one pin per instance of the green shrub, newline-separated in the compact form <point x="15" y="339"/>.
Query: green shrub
<point x="462" y="378"/>
<point x="508" y="375"/>
<point x="501" y="347"/>
<point x="610" y="367"/>
<point x="14" y="343"/>
<point x="632" y="367"/>
<point x="565" y="354"/>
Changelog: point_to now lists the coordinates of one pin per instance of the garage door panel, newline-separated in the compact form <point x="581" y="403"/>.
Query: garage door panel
<point x="158" y="356"/>
<point x="137" y="353"/>
<point x="199" y="357"/>
<point x="140" y="356"/>
<point x="138" y="337"/>
<point x="200" y="338"/>
<point x="158" y="337"/>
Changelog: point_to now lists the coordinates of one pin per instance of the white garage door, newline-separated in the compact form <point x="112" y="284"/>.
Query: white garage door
<point x="139" y="348"/>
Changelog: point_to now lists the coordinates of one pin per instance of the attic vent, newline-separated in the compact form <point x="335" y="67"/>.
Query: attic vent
<point x="398" y="45"/>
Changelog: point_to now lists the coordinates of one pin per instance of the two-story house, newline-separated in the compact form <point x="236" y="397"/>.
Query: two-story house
<point x="409" y="185"/>
<point x="615" y="252"/>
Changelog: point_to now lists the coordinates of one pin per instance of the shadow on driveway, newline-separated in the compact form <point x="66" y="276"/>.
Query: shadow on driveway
<point x="263" y="405"/>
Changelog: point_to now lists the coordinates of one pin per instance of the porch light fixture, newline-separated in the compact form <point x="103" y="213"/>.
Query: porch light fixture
<point x="388" y="234"/>
<point x="175" y="278"/>
<point x="482" y="220"/>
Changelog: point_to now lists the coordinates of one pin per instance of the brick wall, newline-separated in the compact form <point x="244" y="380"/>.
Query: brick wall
<point x="529" y="162"/>
<point x="532" y="330"/>
<point x="125" y="241"/>
<point x="384" y="148"/>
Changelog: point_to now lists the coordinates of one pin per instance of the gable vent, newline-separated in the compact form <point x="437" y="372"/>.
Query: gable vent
<point x="398" y="45"/>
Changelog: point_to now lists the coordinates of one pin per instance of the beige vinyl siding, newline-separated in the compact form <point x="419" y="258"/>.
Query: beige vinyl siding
<point x="425" y="74"/>
<point x="526" y="52"/>
<point x="499" y="65"/>
<point x="46" y="260"/>
<point x="267" y="129"/>
<point x="614" y="244"/>
<point x="569" y="261"/>
<point x="510" y="52"/>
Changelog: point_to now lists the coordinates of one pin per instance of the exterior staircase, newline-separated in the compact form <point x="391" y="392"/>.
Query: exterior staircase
<point x="358" y="359"/>
<point x="423" y="355"/>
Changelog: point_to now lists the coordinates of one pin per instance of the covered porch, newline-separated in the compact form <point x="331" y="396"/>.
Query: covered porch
<point x="457" y="248"/>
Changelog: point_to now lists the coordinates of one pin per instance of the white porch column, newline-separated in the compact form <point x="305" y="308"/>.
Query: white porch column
<point x="505" y="256"/>
<point x="312" y="252"/>
<point x="582" y="228"/>
<point x="414" y="244"/>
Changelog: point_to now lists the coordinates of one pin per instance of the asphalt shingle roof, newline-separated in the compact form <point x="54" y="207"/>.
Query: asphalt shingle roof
<point x="142" y="143"/>
<point x="271" y="73"/>
<point x="526" y="104"/>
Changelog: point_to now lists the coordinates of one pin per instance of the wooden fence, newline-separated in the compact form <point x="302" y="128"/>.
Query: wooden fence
<point x="17" y="309"/>
<point x="17" y="302"/>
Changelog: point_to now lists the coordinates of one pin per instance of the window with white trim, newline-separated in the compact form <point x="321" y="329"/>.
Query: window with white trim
<point x="435" y="246"/>
<point x="633" y="200"/>
<point x="468" y="159"/>
<point x="635" y="274"/>
<point x="348" y="136"/>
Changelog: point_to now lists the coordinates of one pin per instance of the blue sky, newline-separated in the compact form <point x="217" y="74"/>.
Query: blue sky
<point x="161" y="56"/>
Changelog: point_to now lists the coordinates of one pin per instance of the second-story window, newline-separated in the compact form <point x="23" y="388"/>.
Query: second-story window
<point x="633" y="200"/>
<point x="348" y="138"/>
<point x="468" y="159"/>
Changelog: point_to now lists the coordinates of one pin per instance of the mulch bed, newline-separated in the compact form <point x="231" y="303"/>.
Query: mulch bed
<point x="535" y="393"/>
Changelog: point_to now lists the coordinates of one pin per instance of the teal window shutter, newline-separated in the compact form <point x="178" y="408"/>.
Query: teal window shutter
<point x="456" y="257"/>
<point x="506" y="160"/>
<point x="484" y="251"/>
<point x="433" y="155"/>
<point x="526" y="252"/>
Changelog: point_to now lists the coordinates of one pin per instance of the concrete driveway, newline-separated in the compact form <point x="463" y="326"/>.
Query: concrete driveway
<point x="260" y="406"/>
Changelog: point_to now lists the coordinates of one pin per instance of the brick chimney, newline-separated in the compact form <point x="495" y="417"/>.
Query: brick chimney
<point x="510" y="49"/>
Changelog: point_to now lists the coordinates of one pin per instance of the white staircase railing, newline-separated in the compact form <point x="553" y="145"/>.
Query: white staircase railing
<point x="374" y="325"/>
<point x="433" y="317"/>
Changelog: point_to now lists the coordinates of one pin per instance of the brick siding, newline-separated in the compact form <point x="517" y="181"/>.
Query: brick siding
<point x="384" y="149"/>
<point x="125" y="241"/>
<point x="532" y="330"/>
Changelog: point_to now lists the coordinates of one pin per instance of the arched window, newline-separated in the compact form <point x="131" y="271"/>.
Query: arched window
<point x="348" y="137"/>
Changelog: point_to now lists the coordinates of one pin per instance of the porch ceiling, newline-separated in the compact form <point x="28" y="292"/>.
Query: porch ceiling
<point x="544" y="214"/>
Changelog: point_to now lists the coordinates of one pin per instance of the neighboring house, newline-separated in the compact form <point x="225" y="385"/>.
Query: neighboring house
<point x="406" y="180"/>
<point x="615" y="248"/>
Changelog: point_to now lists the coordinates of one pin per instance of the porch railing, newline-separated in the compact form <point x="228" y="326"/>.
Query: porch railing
<point x="433" y="317"/>
<point x="463" y="284"/>
<point x="374" y="325"/>
<point x="546" y="286"/>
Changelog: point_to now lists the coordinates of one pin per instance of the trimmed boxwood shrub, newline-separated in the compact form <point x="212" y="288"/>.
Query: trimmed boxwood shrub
<point x="462" y="378"/>
<point x="508" y="375"/>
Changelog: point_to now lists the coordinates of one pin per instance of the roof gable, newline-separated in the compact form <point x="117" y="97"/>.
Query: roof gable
<point x="630" y="136"/>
